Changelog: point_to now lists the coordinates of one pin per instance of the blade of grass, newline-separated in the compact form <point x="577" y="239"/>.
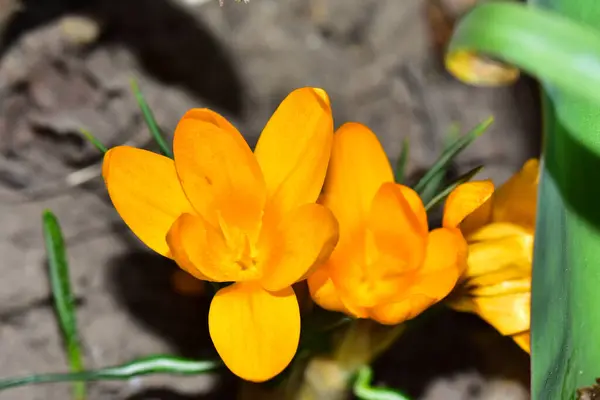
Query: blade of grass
<point x="402" y="160"/>
<point x="364" y="391"/>
<point x="63" y="296"/>
<point x="436" y="182"/>
<point x="150" y="120"/>
<point x="449" y="154"/>
<point x="441" y="196"/>
<point x="93" y="140"/>
<point x="159" y="364"/>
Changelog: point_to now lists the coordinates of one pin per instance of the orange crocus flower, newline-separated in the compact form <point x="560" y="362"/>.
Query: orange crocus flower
<point x="499" y="227"/>
<point x="387" y="265"/>
<point x="225" y="214"/>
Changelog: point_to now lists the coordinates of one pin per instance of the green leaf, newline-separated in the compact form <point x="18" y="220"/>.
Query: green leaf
<point x="63" y="296"/>
<point x="563" y="52"/>
<point x="150" y="120"/>
<point x="159" y="364"/>
<point x="402" y="160"/>
<point x="431" y="181"/>
<point x="364" y="391"/>
<point x="441" y="196"/>
<point x="93" y="140"/>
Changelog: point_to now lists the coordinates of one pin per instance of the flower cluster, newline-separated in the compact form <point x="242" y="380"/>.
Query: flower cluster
<point x="317" y="205"/>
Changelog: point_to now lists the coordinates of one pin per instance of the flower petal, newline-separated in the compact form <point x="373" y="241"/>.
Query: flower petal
<point x="218" y="172"/>
<point x="145" y="190"/>
<point x="516" y="200"/>
<point x="201" y="250"/>
<point x="255" y="332"/>
<point x="294" y="148"/>
<point x="472" y="200"/>
<point x="358" y="168"/>
<point x="303" y="240"/>
<point x="510" y="285"/>
<point x="500" y="257"/>
<point x="509" y="314"/>
<point x="397" y="229"/>
<point x="416" y="205"/>
<point x="323" y="291"/>
<point x="446" y="250"/>
<point x="398" y="312"/>
<point x="523" y="340"/>
<point x="445" y="261"/>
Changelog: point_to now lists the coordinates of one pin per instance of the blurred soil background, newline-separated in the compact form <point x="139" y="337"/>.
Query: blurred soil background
<point x="67" y="64"/>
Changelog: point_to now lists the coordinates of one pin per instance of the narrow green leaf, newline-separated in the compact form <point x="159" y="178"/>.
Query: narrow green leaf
<point x="364" y="391"/>
<point x="93" y="140"/>
<point x="144" y="366"/>
<point x="402" y="160"/>
<point x="449" y="154"/>
<point x="441" y="196"/>
<point x="150" y="120"/>
<point x="63" y="296"/>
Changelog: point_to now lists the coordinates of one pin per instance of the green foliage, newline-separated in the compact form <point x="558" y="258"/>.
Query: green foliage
<point x="63" y="295"/>
<point x="563" y="51"/>
<point x="150" y="120"/>
<point x="144" y="366"/>
<point x="429" y="185"/>
<point x="400" y="174"/>
<point x="364" y="391"/>
<point x="441" y="196"/>
<point x="93" y="140"/>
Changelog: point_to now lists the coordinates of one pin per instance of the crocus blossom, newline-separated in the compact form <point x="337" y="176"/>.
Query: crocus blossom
<point x="225" y="214"/>
<point x="499" y="227"/>
<point x="387" y="265"/>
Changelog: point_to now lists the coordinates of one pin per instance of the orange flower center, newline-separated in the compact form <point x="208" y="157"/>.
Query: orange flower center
<point x="242" y="252"/>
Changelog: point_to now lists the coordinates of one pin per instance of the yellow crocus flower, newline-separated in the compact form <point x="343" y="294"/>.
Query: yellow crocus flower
<point x="225" y="214"/>
<point x="387" y="265"/>
<point x="499" y="227"/>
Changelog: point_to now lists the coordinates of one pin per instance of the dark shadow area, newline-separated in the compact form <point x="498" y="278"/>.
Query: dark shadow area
<point x="142" y="283"/>
<point x="447" y="344"/>
<point x="528" y="112"/>
<point x="170" y="44"/>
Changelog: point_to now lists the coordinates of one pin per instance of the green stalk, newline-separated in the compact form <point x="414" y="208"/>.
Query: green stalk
<point x="563" y="51"/>
<point x="144" y="366"/>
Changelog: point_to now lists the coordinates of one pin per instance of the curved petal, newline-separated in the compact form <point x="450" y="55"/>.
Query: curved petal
<point x="202" y="250"/>
<point x="303" y="240"/>
<point x="211" y="117"/>
<point x="416" y="205"/>
<point x="255" y="332"/>
<point x="358" y="168"/>
<point x="472" y="200"/>
<point x="497" y="259"/>
<point x="398" y="312"/>
<point x="509" y="314"/>
<point x="323" y="291"/>
<point x="443" y="265"/>
<point x="510" y="285"/>
<point x="294" y="148"/>
<point x="218" y="172"/>
<point x="444" y="262"/>
<point x="516" y="200"/>
<point x="397" y="230"/>
<point x="145" y="190"/>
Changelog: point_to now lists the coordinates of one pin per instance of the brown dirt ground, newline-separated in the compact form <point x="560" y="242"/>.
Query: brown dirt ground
<point x="66" y="64"/>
